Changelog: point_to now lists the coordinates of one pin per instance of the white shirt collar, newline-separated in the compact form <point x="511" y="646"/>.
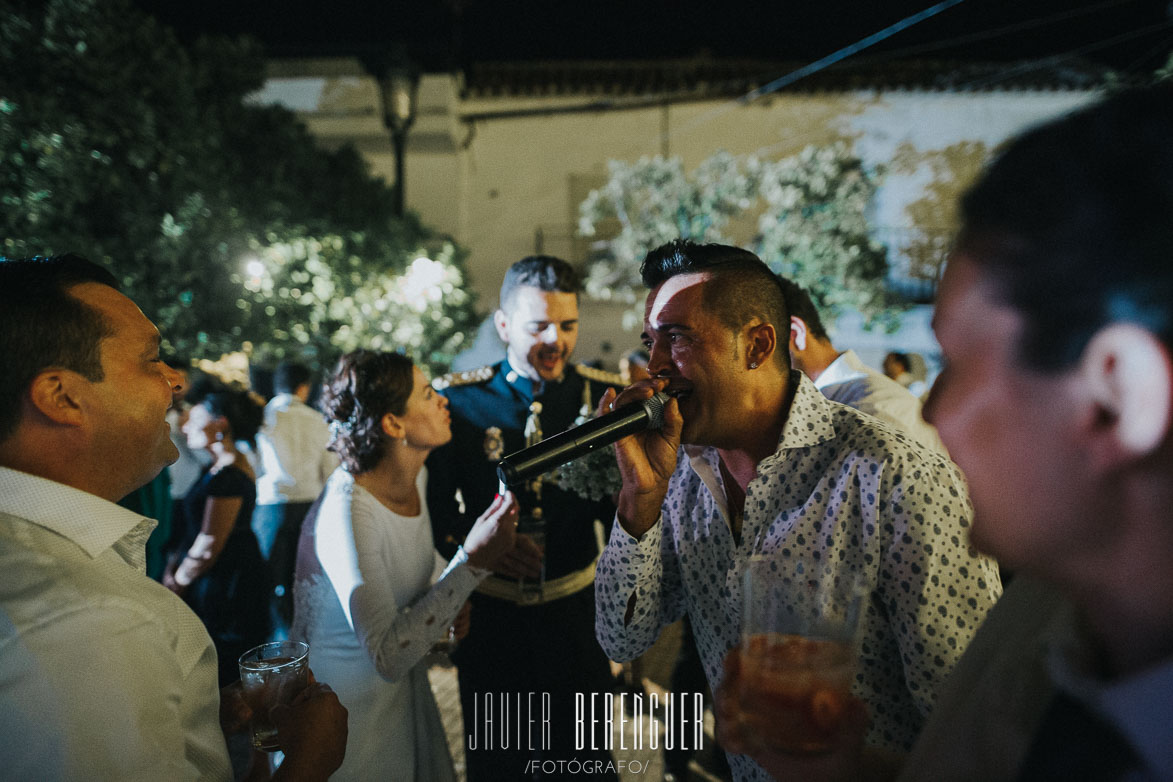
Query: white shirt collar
<point x="847" y="367"/>
<point x="91" y="522"/>
<point x="285" y="399"/>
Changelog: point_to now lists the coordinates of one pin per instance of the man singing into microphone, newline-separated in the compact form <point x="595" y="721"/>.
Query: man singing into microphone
<point x="532" y="621"/>
<point x="772" y="467"/>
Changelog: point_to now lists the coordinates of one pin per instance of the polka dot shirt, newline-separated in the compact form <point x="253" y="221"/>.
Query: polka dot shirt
<point x="842" y="487"/>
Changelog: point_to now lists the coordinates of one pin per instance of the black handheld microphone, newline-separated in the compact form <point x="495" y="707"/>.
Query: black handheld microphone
<point x="581" y="440"/>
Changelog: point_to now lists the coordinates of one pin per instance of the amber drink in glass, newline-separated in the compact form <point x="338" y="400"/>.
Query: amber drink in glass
<point x="798" y="652"/>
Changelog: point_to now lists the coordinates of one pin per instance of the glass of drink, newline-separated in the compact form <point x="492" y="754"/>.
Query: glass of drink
<point x="798" y="652"/>
<point x="271" y="675"/>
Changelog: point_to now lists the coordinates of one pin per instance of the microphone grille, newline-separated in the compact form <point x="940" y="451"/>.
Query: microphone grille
<point x="655" y="409"/>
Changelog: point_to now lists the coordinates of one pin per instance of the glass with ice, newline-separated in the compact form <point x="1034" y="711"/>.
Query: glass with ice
<point x="798" y="652"/>
<point x="272" y="674"/>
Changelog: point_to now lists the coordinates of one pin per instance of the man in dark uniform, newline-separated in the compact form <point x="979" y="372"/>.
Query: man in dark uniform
<point x="532" y="624"/>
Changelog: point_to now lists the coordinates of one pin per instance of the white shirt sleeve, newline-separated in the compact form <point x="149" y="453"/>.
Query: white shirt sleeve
<point x="98" y="698"/>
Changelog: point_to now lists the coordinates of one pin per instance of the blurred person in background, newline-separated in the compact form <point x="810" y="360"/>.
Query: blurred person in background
<point x="186" y="470"/>
<point x="899" y="367"/>
<point x="214" y="563"/>
<point x="842" y="377"/>
<point x="294" y="466"/>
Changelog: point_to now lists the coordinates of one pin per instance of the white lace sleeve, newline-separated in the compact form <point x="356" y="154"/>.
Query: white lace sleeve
<point x="395" y="636"/>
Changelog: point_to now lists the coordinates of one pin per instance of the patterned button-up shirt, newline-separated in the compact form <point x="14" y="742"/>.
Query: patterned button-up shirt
<point x="843" y="485"/>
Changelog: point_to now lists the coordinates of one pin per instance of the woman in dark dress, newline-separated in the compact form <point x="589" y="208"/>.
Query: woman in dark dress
<point x="216" y="565"/>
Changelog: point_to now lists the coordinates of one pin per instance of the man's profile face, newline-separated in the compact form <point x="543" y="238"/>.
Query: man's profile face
<point x="129" y="405"/>
<point x="697" y="353"/>
<point x="540" y="329"/>
<point x="1008" y="427"/>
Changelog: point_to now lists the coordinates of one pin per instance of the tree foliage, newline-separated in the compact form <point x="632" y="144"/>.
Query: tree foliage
<point x="809" y="211"/>
<point x="119" y="143"/>
<point x="814" y="230"/>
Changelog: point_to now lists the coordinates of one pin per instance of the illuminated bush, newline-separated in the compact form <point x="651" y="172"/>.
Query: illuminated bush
<point x="119" y="143"/>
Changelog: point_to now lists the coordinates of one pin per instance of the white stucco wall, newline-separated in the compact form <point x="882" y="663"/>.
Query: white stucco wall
<point x="494" y="182"/>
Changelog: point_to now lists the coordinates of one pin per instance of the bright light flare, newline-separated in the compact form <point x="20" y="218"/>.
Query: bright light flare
<point x="424" y="282"/>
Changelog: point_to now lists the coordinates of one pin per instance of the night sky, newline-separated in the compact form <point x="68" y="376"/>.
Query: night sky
<point x="1131" y="35"/>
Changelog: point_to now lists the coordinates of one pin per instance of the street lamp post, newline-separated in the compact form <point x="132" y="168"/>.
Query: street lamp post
<point x="398" y="87"/>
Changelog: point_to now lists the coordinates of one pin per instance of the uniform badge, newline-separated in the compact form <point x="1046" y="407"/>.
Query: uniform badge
<point x="494" y="444"/>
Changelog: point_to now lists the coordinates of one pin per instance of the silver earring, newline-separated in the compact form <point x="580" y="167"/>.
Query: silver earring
<point x="403" y="441"/>
<point x="753" y="365"/>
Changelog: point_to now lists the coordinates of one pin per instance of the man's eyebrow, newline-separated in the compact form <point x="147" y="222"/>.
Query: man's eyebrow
<point x="669" y="326"/>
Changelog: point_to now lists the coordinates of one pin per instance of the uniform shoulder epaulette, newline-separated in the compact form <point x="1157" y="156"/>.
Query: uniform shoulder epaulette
<point x="599" y="376"/>
<point x="466" y="378"/>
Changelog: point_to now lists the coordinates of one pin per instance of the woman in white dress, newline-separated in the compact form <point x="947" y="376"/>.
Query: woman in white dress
<point x="372" y="595"/>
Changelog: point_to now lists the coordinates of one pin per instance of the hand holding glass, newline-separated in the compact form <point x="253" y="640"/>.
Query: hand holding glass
<point x="272" y="674"/>
<point x="798" y="652"/>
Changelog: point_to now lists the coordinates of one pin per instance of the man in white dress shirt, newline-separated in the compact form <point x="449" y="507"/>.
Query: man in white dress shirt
<point x="104" y="674"/>
<point x="294" y="467"/>
<point x="842" y="377"/>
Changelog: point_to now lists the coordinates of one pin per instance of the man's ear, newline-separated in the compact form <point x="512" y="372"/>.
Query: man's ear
<point x="57" y="395"/>
<point x="761" y="342"/>
<point x="501" y="322"/>
<point x="1130" y="375"/>
<point x="798" y="334"/>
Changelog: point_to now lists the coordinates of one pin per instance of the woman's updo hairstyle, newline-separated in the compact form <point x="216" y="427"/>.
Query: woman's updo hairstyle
<point x="242" y="411"/>
<point x="364" y="387"/>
